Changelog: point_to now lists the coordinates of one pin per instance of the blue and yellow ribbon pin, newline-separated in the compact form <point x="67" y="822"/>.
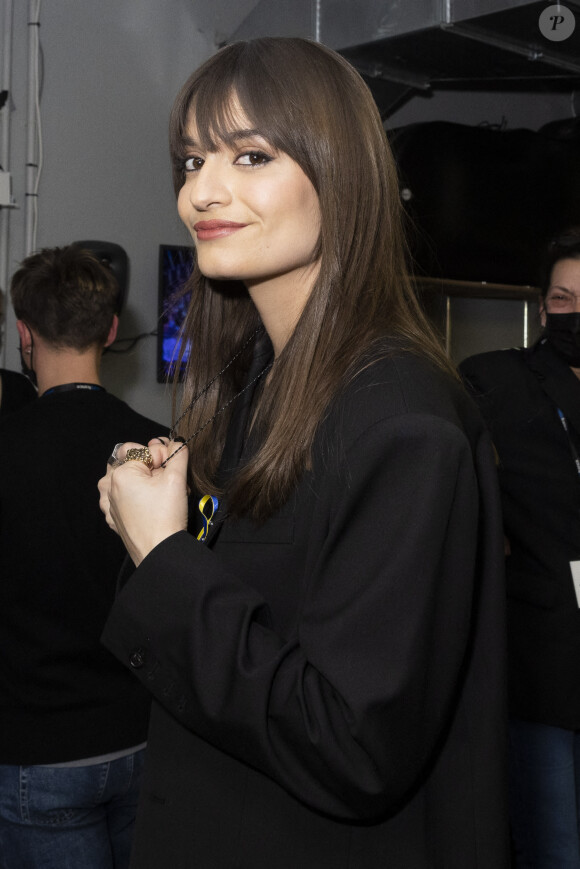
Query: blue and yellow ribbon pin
<point x="207" y="507"/>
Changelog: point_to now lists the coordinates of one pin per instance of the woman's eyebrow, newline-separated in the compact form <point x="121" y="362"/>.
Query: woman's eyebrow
<point x="562" y="289"/>
<point x="229" y="137"/>
<point x="236" y="135"/>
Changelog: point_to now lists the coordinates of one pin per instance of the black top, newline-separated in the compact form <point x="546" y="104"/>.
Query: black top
<point x="329" y="686"/>
<point x="62" y="695"/>
<point x="17" y="390"/>
<point x="519" y="393"/>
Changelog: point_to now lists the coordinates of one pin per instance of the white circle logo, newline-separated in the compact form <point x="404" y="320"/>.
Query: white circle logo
<point x="557" y="22"/>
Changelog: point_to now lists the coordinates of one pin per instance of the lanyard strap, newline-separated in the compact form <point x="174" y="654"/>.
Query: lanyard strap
<point x="66" y="387"/>
<point x="573" y="449"/>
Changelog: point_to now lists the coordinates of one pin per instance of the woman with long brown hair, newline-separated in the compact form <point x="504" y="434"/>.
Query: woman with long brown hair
<point x="322" y="628"/>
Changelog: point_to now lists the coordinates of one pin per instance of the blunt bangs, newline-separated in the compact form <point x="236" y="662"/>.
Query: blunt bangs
<point x="242" y="79"/>
<point x="309" y="113"/>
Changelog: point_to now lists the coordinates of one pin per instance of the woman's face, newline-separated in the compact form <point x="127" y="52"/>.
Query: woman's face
<point x="253" y="214"/>
<point x="563" y="296"/>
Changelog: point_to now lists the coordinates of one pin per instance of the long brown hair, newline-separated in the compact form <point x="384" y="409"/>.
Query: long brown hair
<point x="308" y="102"/>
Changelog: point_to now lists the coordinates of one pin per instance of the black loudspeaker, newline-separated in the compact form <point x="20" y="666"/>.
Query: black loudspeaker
<point x="114" y="256"/>
<point x="483" y="202"/>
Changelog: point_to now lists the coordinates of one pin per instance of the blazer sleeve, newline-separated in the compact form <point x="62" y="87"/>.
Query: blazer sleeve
<point x="348" y="712"/>
<point x="496" y="381"/>
<point x="482" y="382"/>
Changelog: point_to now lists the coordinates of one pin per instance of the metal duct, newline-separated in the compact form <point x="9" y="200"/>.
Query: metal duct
<point x="403" y="45"/>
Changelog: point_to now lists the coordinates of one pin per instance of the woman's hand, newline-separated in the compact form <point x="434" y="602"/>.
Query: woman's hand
<point x="145" y="505"/>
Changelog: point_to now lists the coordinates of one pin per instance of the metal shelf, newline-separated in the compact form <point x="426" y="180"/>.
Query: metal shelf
<point x="476" y="289"/>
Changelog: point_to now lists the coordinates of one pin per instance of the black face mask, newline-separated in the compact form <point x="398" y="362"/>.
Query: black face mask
<point x="563" y="333"/>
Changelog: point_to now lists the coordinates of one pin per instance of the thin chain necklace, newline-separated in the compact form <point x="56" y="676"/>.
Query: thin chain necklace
<point x="196" y="398"/>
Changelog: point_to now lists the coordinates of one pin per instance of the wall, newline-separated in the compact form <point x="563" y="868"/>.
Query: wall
<point x="110" y="72"/>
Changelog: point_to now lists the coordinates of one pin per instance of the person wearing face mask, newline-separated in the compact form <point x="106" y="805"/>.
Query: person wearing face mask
<point x="530" y="399"/>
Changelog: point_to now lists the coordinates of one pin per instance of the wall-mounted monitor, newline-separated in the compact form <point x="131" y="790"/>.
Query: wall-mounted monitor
<point x="175" y="265"/>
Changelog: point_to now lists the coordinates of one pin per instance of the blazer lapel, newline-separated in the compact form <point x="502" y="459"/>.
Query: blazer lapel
<point x="236" y="435"/>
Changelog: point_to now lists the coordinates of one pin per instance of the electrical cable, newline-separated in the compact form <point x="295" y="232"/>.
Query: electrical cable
<point x="133" y="341"/>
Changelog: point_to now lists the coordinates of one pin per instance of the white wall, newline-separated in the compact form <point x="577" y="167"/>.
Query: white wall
<point x="111" y="69"/>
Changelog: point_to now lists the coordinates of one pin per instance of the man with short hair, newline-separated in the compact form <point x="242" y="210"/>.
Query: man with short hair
<point x="73" y="720"/>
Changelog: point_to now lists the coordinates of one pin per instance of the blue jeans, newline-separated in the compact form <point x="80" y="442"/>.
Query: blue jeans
<point x="544" y="796"/>
<point x="69" y="817"/>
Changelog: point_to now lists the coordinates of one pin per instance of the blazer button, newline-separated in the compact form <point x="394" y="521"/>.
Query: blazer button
<point x="137" y="658"/>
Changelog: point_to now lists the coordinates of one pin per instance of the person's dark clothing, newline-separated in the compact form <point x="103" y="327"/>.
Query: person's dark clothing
<point x="17" y="390"/>
<point x="63" y="696"/>
<point x="519" y="393"/>
<point x="329" y="686"/>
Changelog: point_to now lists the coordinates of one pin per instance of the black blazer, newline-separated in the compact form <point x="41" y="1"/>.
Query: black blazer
<point x="329" y="687"/>
<point x="519" y="392"/>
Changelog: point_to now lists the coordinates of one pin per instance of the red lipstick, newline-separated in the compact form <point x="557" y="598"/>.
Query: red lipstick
<point x="208" y="229"/>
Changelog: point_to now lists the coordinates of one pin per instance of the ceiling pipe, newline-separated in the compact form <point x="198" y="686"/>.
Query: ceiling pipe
<point x="33" y="149"/>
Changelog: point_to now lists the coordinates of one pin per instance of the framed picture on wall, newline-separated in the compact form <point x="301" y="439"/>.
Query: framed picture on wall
<point x="175" y="266"/>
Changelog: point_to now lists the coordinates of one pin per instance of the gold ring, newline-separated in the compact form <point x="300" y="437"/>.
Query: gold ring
<point x="140" y="454"/>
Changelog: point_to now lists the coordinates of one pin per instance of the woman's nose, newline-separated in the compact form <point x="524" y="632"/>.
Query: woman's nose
<point x="210" y="185"/>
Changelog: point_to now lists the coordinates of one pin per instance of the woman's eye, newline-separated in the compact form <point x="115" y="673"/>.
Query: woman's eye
<point x="193" y="164"/>
<point x="253" y="158"/>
